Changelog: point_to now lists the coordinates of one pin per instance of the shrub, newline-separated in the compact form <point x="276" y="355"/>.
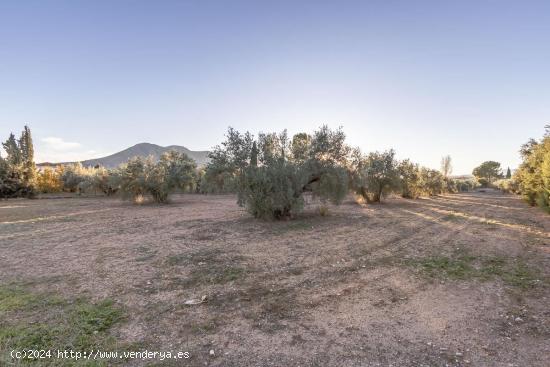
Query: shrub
<point x="272" y="191"/>
<point x="12" y="182"/>
<point x="432" y="182"/>
<point x="507" y="185"/>
<point x="377" y="175"/>
<point x="465" y="184"/>
<point x="449" y="185"/>
<point x="49" y="180"/>
<point x="75" y="177"/>
<point x="141" y="177"/>
<point x="173" y="171"/>
<point x="131" y="178"/>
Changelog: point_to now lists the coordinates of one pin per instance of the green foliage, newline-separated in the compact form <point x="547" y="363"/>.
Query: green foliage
<point x="433" y="182"/>
<point x="272" y="190"/>
<point x="227" y="163"/>
<point x="533" y="175"/>
<point x="272" y="179"/>
<point x="458" y="268"/>
<point x="173" y="171"/>
<point x="42" y="321"/>
<point x="49" y="180"/>
<point x="74" y="176"/>
<point x="377" y="175"/>
<point x="300" y="147"/>
<point x="461" y="265"/>
<point x="488" y="172"/>
<point x="27" y="158"/>
<point x="507" y="185"/>
<point x="104" y="180"/>
<point x="411" y="184"/>
<point x="465" y="184"/>
<point x="421" y="181"/>
<point x="13" y="151"/>
<point x="141" y="177"/>
<point x="18" y="175"/>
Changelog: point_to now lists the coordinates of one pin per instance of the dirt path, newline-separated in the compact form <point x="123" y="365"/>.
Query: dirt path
<point x="453" y="280"/>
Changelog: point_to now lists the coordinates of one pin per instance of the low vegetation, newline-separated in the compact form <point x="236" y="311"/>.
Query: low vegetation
<point x="461" y="265"/>
<point x="141" y="177"/>
<point x="271" y="174"/>
<point x="39" y="321"/>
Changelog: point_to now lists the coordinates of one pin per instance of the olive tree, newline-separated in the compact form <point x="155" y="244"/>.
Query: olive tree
<point x="433" y="182"/>
<point x="272" y="173"/>
<point x="227" y="163"/>
<point x="411" y="184"/>
<point x="141" y="177"/>
<point x="377" y="175"/>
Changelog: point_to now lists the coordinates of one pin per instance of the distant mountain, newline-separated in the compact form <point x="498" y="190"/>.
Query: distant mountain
<point x="142" y="150"/>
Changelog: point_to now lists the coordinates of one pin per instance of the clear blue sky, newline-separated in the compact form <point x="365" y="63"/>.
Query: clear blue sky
<point x="428" y="78"/>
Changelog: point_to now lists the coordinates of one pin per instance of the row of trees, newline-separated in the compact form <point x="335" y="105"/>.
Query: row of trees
<point x="531" y="180"/>
<point x="271" y="173"/>
<point x="138" y="178"/>
<point x="488" y="172"/>
<point x="19" y="176"/>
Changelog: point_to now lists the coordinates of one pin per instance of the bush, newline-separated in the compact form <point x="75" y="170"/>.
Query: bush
<point x="141" y="177"/>
<point x="131" y="178"/>
<point x="173" y="171"/>
<point x="432" y="182"/>
<point x="12" y="182"/>
<point x="272" y="191"/>
<point x="49" y="180"/>
<point x="105" y="181"/>
<point x="76" y="178"/>
<point x="507" y="185"/>
<point x="465" y="184"/>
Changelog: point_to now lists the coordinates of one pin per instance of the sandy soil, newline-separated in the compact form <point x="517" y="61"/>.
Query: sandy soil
<point x="341" y="290"/>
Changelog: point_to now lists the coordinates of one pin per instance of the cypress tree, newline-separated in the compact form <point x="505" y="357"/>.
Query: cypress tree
<point x="14" y="156"/>
<point x="27" y="157"/>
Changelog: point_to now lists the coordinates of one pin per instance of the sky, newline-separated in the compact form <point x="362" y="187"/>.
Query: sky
<point x="427" y="78"/>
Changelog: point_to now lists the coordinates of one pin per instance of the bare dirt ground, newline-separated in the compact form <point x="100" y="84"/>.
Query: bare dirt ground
<point x="454" y="280"/>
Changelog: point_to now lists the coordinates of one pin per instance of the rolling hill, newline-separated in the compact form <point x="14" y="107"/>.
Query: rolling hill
<point x="141" y="150"/>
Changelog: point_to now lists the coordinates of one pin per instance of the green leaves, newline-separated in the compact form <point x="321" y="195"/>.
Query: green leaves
<point x="140" y="176"/>
<point x="533" y="175"/>
<point x="271" y="180"/>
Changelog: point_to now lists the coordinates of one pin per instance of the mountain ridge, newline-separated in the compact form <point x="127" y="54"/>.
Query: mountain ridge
<point x="139" y="150"/>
